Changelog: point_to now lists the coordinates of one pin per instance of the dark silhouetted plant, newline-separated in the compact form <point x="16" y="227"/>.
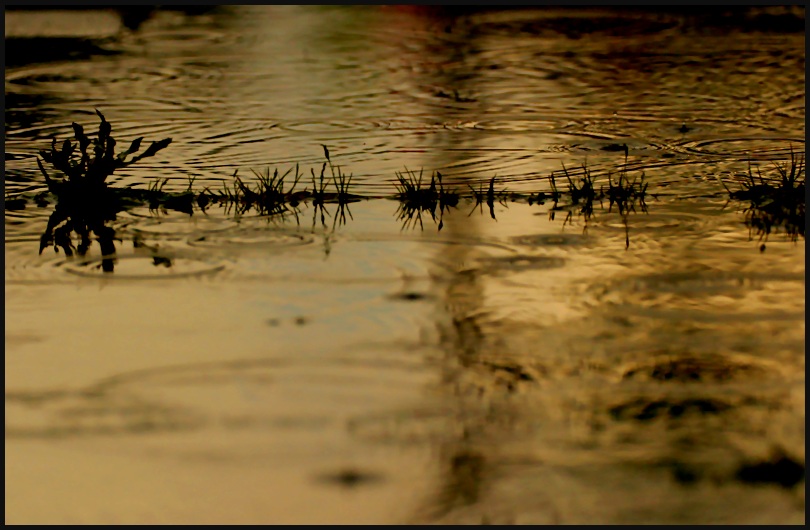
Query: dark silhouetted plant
<point x="85" y="204"/>
<point x="489" y="197"/>
<point x="414" y="199"/>
<point x="88" y="162"/>
<point x="774" y="203"/>
<point x="625" y="195"/>
<point x="582" y="194"/>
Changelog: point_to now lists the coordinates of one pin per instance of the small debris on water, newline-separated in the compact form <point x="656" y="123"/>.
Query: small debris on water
<point x="351" y="478"/>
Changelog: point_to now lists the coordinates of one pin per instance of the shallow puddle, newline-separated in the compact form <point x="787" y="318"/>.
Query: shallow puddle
<point x="523" y="353"/>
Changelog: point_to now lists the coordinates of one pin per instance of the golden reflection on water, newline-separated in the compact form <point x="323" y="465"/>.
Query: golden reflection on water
<point x="508" y="368"/>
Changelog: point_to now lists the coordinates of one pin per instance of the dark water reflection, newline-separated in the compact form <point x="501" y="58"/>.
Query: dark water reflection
<point x="510" y="358"/>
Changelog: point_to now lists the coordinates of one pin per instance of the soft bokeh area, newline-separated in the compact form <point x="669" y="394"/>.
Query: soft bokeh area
<point x="595" y="314"/>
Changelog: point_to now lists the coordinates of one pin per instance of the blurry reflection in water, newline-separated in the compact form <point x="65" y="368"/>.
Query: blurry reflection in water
<point x="460" y="355"/>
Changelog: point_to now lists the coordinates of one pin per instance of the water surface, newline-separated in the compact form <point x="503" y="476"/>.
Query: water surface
<point x="506" y="368"/>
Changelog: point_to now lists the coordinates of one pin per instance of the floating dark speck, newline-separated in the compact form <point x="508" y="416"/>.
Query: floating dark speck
<point x="351" y="478"/>
<point x="410" y="296"/>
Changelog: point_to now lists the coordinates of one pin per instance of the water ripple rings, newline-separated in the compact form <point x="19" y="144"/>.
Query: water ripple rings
<point x="142" y="268"/>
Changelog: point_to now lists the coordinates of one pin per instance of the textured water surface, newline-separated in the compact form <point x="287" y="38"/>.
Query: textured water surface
<point x="499" y="363"/>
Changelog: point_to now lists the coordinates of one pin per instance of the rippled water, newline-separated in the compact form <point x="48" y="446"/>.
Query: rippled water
<point x="244" y="368"/>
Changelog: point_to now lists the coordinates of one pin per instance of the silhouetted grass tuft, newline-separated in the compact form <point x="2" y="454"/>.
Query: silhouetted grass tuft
<point x="626" y="194"/>
<point x="774" y="203"/>
<point x="85" y="204"/>
<point x="489" y="197"/>
<point x="414" y="199"/>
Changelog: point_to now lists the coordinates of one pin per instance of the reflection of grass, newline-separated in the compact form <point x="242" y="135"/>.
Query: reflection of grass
<point x="85" y="204"/>
<point x="342" y="197"/>
<point x="489" y="197"/>
<point x="623" y="194"/>
<point x="581" y="193"/>
<point x="414" y="199"/>
<point x="774" y="203"/>
<point x="268" y="197"/>
<point x="585" y="192"/>
<point x="88" y="162"/>
<point x="84" y="219"/>
<point x="626" y="194"/>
